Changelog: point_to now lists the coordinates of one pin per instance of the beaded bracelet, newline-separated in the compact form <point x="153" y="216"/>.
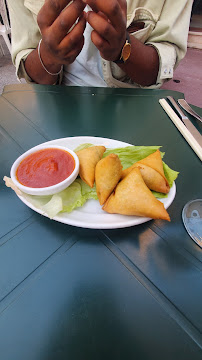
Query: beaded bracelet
<point x="53" y="74"/>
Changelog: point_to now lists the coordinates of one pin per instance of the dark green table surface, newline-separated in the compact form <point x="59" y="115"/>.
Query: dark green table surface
<point x="82" y="294"/>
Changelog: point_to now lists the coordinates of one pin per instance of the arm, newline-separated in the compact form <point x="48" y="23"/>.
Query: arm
<point x="152" y="62"/>
<point x="137" y="67"/>
<point x="109" y="23"/>
<point x="25" y="34"/>
<point x="169" y="37"/>
<point x="59" y="45"/>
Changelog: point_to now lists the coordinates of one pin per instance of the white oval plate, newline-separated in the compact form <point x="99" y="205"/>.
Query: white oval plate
<point x="91" y="214"/>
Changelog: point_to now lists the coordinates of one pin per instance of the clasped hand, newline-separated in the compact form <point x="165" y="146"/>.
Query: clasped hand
<point x="62" y="24"/>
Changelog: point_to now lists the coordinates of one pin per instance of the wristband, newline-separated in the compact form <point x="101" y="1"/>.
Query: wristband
<point x="53" y="74"/>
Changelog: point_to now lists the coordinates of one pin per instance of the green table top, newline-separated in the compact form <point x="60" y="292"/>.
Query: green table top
<point x="73" y="293"/>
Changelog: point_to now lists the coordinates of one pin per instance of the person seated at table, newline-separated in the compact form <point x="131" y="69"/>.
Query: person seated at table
<point x="115" y="43"/>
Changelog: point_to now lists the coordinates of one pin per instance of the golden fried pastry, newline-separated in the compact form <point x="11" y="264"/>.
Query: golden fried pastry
<point x="88" y="158"/>
<point x="107" y="174"/>
<point x="152" y="172"/>
<point x="133" y="197"/>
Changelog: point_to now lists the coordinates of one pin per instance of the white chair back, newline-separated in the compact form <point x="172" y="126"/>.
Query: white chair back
<point x="5" y="28"/>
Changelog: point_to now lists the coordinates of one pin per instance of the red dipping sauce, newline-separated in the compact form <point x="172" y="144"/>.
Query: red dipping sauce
<point x="45" y="168"/>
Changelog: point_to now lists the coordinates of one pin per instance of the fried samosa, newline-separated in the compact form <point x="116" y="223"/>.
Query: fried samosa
<point x="107" y="174"/>
<point x="152" y="172"/>
<point x="88" y="158"/>
<point x="133" y="197"/>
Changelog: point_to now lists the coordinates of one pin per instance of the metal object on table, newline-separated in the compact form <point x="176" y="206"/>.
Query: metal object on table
<point x="188" y="108"/>
<point x="192" y="219"/>
<point x="182" y="128"/>
<point x="196" y="134"/>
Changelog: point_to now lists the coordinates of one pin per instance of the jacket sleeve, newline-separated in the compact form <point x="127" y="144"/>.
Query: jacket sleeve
<point x="25" y="34"/>
<point x="169" y="36"/>
<point x="166" y="29"/>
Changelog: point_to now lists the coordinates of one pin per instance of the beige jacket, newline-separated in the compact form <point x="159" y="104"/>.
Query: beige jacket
<point x="166" y="28"/>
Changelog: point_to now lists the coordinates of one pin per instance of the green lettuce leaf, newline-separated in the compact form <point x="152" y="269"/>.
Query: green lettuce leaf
<point x="65" y="201"/>
<point x="131" y="154"/>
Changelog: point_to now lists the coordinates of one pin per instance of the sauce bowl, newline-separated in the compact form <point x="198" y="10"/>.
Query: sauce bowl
<point x="46" y="190"/>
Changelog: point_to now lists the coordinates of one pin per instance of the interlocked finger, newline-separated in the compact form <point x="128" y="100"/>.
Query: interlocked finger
<point x="50" y="11"/>
<point x="67" y="19"/>
<point x="115" y="10"/>
<point x="73" y="39"/>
